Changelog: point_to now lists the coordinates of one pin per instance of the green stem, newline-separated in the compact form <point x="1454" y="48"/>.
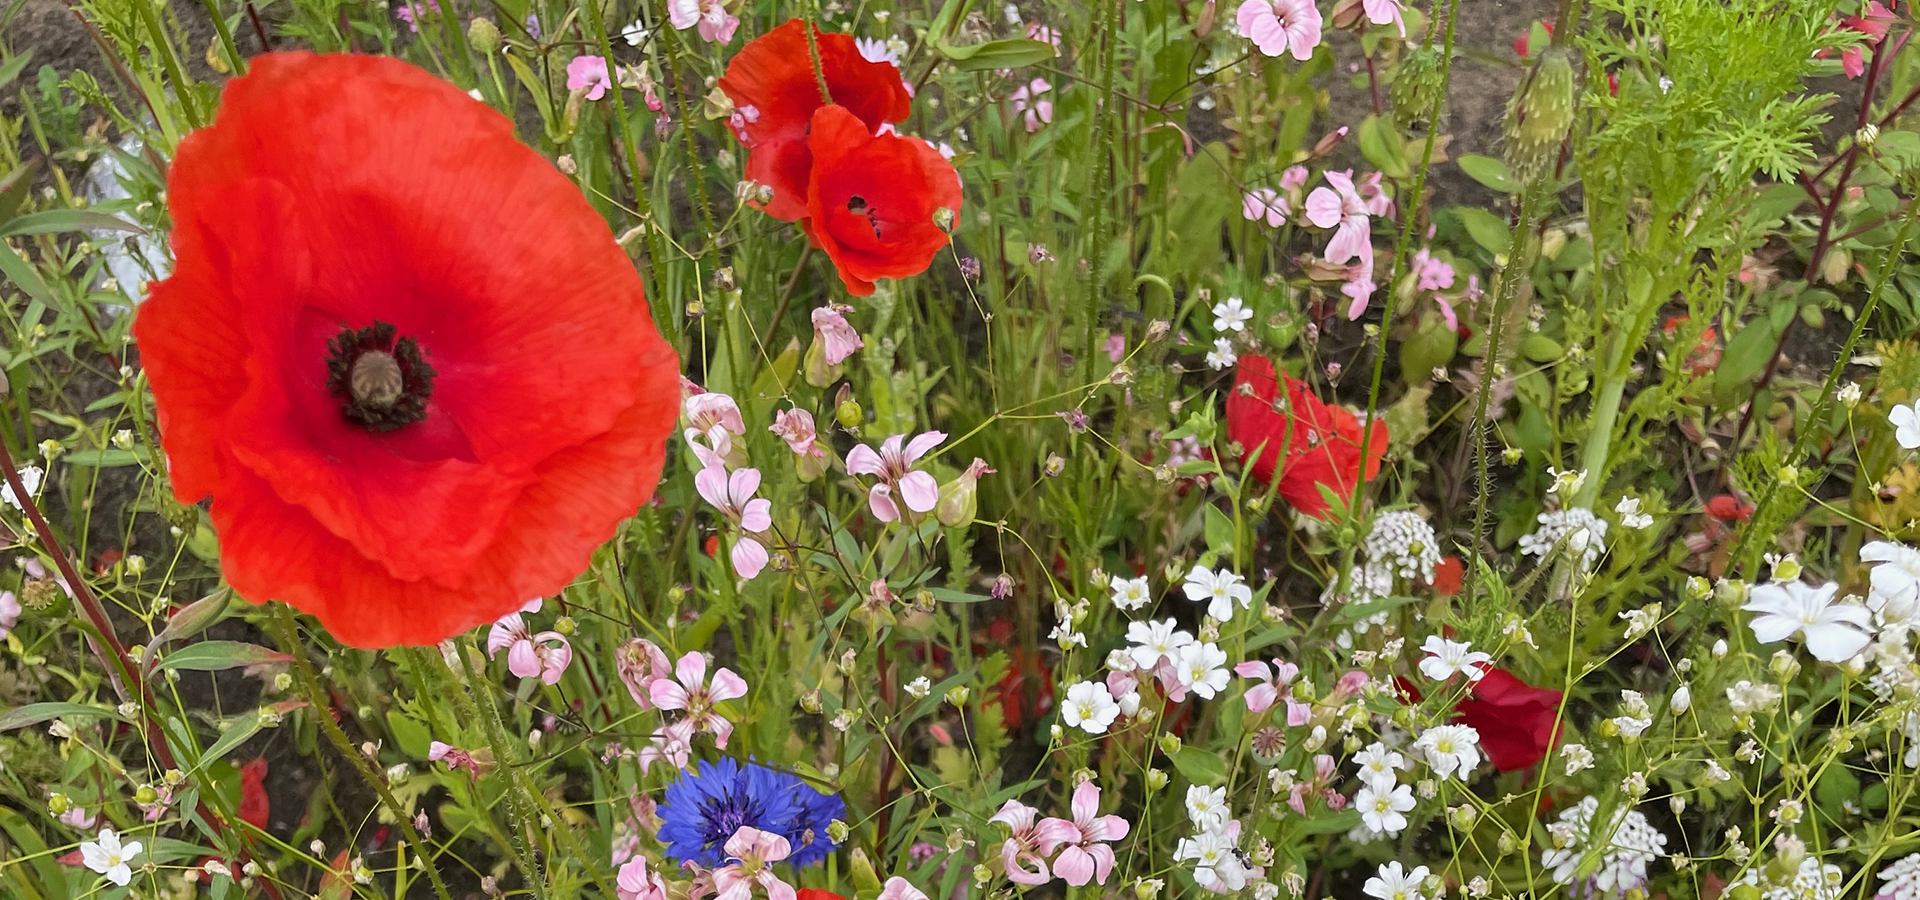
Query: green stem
<point x="165" y="45"/>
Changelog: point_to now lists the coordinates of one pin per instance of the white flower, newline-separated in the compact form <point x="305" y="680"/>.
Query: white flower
<point x="1207" y="807"/>
<point x="1906" y="424"/>
<point x="635" y="33"/>
<point x="1219" y="590"/>
<point x="1894" y="596"/>
<point x="1222" y="355"/>
<point x="1681" y="701"/>
<point x="1747" y="698"/>
<point x="1566" y="483"/>
<point x="1154" y="641"/>
<point x="1231" y="315"/>
<point x="1396" y="883"/>
<point x="1849" y="394"/>
<point x="1446" y="659"/>
<point x="1405" y="544"/>
<point x="1202" y="668"/>
<point x="1585" y="535"/>
<point x="1450" y="749"/>
<point x="1834" y="632"/>
<point x="1813" y="881"/>
<point x="919" y="687"/>
<point x="1383" y="808"/>
<point x="1379" y="766"/>
<point x="1630" y="514"/>
<point x="1089" y="707"/>
<point x="1578" y="758"/>
<point x="1131" y="593"/>
<point x="109" y="857"/>
<point x="29" y="478"/>
<point x="1902" y="879"/>
<point x="1632" y="843"/>
<point x="1216" y="861"/>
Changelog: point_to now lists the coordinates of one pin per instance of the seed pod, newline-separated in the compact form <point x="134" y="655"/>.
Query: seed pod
<point x="1417" y="83"/>
<point x="1540" y="116"/>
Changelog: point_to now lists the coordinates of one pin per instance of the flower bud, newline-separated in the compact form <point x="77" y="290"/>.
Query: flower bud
<point x="1731" y="594"/>
<point x="1156" y="779"/>
<point x="849" y="414"/>
<point x="810" y="702"/>
<point x="1783" y="665"/>
<point x="958" y="694"/>
<point x="1054" y="466"/>
<point x="483" y="34"/>
<point x="957" y="504"/>
<point x="1682" y="700"/>
<point x="1170" y="743"/>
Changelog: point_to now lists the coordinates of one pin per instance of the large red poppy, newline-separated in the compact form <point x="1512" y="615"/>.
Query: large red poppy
<point x="399" y="350"/>
<point x="1321" y="441"/>
<point x="874" y="201"/>
<point x="774" y="92"/>
<point x="1514" y="719"/>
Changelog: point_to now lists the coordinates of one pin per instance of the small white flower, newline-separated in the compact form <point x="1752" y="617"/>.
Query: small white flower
<point x="1131" y="593"/>
<point x="1834" y="632"/>
<point x="919" y="687"/>
<point x="1566" y="483"/>
<point x="1902" y="879"/>
<point x="1578" y="758"/>
<point x="1584" y="535"/>
<point x="1849" y="394"/>
<point x="1906" y="424"/>
<point x="1231" y="315"/>
<point x="1681" y="700"/>
<point x="1202" y="668"/>
<point x="1222" y="355"/>
<point x="1450" y="749"/>
<point x="1219" y="590"/>
<point x="1379" y="766"/>
<point x="1383" y="808"/>
<point x="29" y="478"/>
<point x="1396" y="883"/>
<point x="1405" y="544"/>
<point x="1155" y="641"/>
<point x="1207" y="807"/>
<point x="1446" y="659"/>
<point x="107" y="856"/>
<point x="1089" y="707"/>
<point x="1630" y="514"/>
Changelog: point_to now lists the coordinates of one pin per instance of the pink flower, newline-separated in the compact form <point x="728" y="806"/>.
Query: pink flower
<point x="1019" y="855"/>
<point x="1446" y="312"/>
<point x="9" y="613"/>
<point x="1378" y="203"/>
<point x="1116" y="347"/>
<point x="1271" y="688"/>
<point x="898" y="888"/>
<point x="734" y="496"/>
<point x="635" y="882"/>
<point x="1039" y="32"/>
<point x="589" y="73"/>
<point x="668" y="746"/>
<point x="893" y="465"/>
<point x="795" y="426"/>
<point x="411" y="11"/>
<point x="716" y="24"/>
<point x="837" y="338"/>
<point x="455" y="759"/>
<point x="1293" y="178"/>
<point x="1342" y="209"/>
<point x="78" y="817"/>
<point x="1359" y="287"/>
<point x="546" y="654"/>
<point x="1383" y="12"/>
<point x="1264" y="203"/>
<point x="713" y="421"/>
<point x="1085" y="855"/>
<point x="1026" y="99"/>
<point x="692" y="694"/>
<point x="1275" y="26"/>
<point x="751" y="854"/>
<point x="1431" y="274"/>
<point x="640" y="663"/>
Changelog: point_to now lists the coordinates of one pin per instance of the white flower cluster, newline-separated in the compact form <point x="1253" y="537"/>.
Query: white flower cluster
<point x="1585" y="535"/>
<point x="1219" y="865"/>
<point x="1632" y="844"/>
<point x="1403" y="544"/>
<point x="1902" y="879"/>
<point x="1382" y="801"/>
<point x="1812" y="881"/>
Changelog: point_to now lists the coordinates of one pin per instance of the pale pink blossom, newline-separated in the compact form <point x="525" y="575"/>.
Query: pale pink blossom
<point x="893" y="465"/>
<point x="1272" y="685"/>
<point x="546" y="654"/>
<point x="640" y="663"/>
<point x="733" y="495"/>
<point x="1359" y="288"/>
<point x="1378" y="203"/>
<point x="713" y="421"/>
<point x="1116" y="347"/>
<point x="635" y="882"/>
<point x="668" y="746"/>
<point x="751" y="854"/>
<point x="1039" y="32"/>
<point x="690" y="693"/>
<point x="837" y="338"/>
<point x="589" y="73"/>
<point x="795" y="426"/>
<point x="898" y="888"/>
<point x="1342" y="209"/>
<point x="1431" y="274"/>
<point x="1293" y="178"/>
<point x="716" y="24"/>
<point x="456" y="760"/>
<point x="77" y="817"/>
<point x="1264" y="204"/>
<point x="1084" y="855"/>
<point x="1276" y="26"/>
<point x="9" y="613"/>
<point x="1027" y="100"/>
<point x="1385" y="12"/>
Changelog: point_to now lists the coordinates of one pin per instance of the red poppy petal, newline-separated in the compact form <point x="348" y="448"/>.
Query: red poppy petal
<point x="872" y="199"/>
<point x="187" y="334"/>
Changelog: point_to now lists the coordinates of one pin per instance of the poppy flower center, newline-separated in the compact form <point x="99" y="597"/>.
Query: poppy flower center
<point x="381" y="379"/>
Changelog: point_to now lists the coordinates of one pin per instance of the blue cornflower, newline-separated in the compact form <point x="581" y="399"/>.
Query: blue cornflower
<point x="706" y="806"/>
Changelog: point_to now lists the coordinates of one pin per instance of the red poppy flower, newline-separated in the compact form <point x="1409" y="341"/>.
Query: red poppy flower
<point x="1728" y="508"/>
<point x="1322" y="441"/>
<point x="874" y="200"/>
<point x="254" y="806"/>
<point x="1515" y="720"/>
<point x="399" y="350"/>
<point x="774" y="92"/>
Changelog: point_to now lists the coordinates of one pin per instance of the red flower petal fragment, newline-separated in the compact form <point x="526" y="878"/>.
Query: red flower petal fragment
<point x="1728" y="508"/>
<point x="771" y="83"/>
<point x="254" y="806"/>
<point x="1448" y="576"/>
<point x="1322" y="441"/>
<point x="1515" y="719"/>
<point x="873" y="200"/>
<point x="399" y="350"/>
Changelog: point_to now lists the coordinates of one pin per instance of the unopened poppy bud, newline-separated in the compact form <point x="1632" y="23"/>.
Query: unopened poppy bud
<point x="849" y="414"/>
<point x="958" y="502"/>
<point x="1539" y="116"/>
<point x="483" y="34"/>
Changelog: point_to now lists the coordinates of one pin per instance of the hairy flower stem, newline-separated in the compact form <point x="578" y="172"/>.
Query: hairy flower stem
<point x="1523" y="247"/>
<point x="1100" y="175"/>
<point x="663" y="318"/>
<point x="287" y="633"/>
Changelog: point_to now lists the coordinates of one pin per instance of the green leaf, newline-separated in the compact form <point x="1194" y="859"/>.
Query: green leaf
<point x="107" y="459"/>
<point x="1219" y="531"/>
<point x="55" y="221"/>
<point x="198" y="616"/>
<point x="12" y="68"/>
<point x="1201" y="766"/>
<point x="1333" y="823"/>
<point x="1382" y="146"/>
<point x="1486" y="229"/>
<point x="1540" y="348"/>
<point x="23" y="276"/>
<point x="1747" y="353"/>
<point x="1010" y="53"/>
<point x="216" y="656"/>
<point x="950" y="596"/>
<point x="36" y="713"/>
<point x="1489" y="172"/>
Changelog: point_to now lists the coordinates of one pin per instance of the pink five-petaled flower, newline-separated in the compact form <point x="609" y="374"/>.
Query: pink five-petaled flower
<point x="734" y="496"/>
<point x="1020" y="853"/>
<point x="1027" y="100"/>
<point x="1275" y="26"/>
<point x="1345" y="211"/>
<point x="1084" y="854"/>
<point x="636" y="882"/>
<point x="691" y="694"/>
<point x="893" y="465"/>
<point x="713" y="421"/>
<point x="751" y="854"/>
<point x="1264" y="203"/>
<point x="669" y="746"/>
<point x="546" y="654"/>
<point x="1272" y="687"/>
<point x="589" y="73"/>
<point x="795" y="426"/>
<point x="837" y="339"/>
<point x="716" y="24"/>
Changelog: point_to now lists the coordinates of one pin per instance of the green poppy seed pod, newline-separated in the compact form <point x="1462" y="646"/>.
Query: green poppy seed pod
<point x="483" y="34"/>
<point x="958" y="503"/>
<point x="1417" y="82"/>
<point x="1540" y="116"/>
<point x="146" y="795"/>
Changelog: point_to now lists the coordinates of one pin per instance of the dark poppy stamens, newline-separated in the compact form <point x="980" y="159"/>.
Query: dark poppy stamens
<point x="382" y="380"/>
